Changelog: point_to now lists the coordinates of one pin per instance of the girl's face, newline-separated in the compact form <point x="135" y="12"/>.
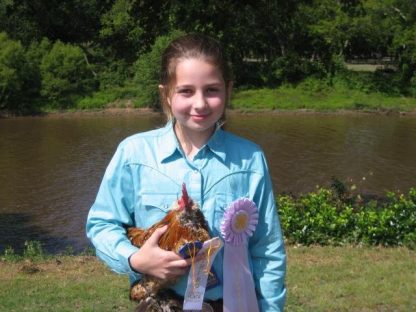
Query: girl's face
<point x="198" y="97"/>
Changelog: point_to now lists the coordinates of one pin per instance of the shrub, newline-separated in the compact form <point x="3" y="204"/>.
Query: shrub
<point x="326" y="218"/>
<point x="33" y="251"/>
<point x="114" y="74"/>
<point x="291" y="68"/>
<point x="147" y="69"/>
<point x="65" y="75"/>
<point x="15" y="75"/>
<point x="316" y="218"/>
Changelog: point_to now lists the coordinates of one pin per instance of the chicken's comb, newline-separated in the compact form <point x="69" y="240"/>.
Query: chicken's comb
<point x="184" y="201"/>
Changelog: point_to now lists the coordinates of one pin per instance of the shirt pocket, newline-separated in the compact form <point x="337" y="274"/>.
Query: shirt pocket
<point x="153" y="208"/>
<point x="222" y="201"/>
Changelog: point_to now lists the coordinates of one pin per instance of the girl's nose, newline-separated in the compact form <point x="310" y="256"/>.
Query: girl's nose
<point x="200" y="101"/>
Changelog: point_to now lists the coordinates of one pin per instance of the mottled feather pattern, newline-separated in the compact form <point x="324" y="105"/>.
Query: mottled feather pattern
<point x="186" y="224"/>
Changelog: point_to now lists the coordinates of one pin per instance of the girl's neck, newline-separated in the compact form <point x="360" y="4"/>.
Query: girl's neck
<point x="192" y="141"/>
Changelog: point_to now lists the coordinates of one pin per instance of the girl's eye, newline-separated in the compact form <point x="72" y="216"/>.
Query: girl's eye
<point x="213" y="90"/>
<point x="185" y="91"/>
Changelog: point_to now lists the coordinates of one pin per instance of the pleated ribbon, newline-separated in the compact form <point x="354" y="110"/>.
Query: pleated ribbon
<point x="240" y="221"/>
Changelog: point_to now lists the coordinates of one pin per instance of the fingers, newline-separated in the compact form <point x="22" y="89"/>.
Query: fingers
<point x="154" y="238"/>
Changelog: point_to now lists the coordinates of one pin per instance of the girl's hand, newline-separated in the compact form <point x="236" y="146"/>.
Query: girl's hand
<point x="153" y="260"/>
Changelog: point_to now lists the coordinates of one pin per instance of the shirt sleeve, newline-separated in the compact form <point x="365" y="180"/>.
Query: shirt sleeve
<point x="267" y="249"/>
<point x="111" y="212"/>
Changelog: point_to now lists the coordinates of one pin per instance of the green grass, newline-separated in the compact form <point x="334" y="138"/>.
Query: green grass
<point x="319" y="99"/>
<point x="318" y="279"/>
<point x="351" y="279"/>
<point x="312" y="94"/>
<point x="65" y="284"/>
<point x="121" y="97"/>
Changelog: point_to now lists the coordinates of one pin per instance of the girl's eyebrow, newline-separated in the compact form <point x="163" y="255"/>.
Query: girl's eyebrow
<point x="213" y="84"/>
<point x="183" y="87"/>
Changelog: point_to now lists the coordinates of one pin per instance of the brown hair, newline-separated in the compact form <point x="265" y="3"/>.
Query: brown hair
<point x="187" y="47"/>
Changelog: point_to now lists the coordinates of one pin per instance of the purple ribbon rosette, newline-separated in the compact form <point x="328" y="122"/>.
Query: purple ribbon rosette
<point x="239" y="223"/>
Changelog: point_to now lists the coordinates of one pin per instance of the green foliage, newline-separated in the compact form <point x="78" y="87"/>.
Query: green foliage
<point x="335" y="217"/>
<point x="65" y="75"/>
<point x="126" y="96"/>
<point x="9" y="255"/>
<point x="32" y="251"/>
<point x="387" y="82"/>
<point x="15" y="75"/>
<point x="121" y="30"/>
<point x="147" y="69"/>
<point x="270" y="43"/>
<point x="319" y="95"/>
<point x="293" y="68"/>
<point x="115" y="74"/>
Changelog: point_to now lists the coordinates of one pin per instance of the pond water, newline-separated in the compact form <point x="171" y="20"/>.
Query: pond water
<point x="50" y="168"/>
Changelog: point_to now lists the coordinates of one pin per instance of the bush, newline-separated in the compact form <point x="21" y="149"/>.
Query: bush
<point x="65" y="75"/>
<point x="147" y="69"/>
<point x="33" y="251"/>
<point x="15" y="75"/>
<point x="115" y="96"/>
<point x="327" y="217"/>
<point x="383" y="81"/>
<point x="291" y="68"/>
<point x="114" y="74"/>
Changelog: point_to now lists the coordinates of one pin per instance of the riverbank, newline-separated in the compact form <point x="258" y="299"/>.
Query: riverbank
<point x="130" y="111"/>
<point x="318" y="279"/>
<point x="288" y="98"/>
<point x="282" y="100"/>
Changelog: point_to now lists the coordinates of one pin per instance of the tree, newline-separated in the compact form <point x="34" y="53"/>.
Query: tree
<point x="147" y="69"/>
<point x="14" y="75"/>
<point x="403" y="15"/>
<point x="72" y="21"/>
<point x="65" y="75"/>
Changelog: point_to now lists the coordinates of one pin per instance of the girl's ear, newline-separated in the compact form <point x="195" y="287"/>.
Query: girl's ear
<point x="164" y="93"/>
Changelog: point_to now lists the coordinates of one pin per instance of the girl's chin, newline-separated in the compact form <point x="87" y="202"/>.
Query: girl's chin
<point x="198" y="126"/>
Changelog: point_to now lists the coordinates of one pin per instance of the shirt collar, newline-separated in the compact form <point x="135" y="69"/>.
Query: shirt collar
<point x="170" y="145"/>
<point x="216" y="143"/>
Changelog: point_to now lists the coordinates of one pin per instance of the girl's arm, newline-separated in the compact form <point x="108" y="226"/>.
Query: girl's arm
<point x="267" y="250"/>
<point x="108" y="219"/>
<point x="111" y="212"/>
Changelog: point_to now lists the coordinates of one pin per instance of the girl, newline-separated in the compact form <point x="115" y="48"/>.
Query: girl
<point x="145" y="176"/>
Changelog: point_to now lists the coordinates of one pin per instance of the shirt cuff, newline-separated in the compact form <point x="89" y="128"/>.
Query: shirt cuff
<point x="125" y="250"/>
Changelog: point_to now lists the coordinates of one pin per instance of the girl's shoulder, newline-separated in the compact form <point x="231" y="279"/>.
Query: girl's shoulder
<point x="239" y="146"/>
<point x="148" y="137"/>
<point x="239" y="141"/>
<point x="239" y="151"/>
<point x="149" y="134"/>
<point x="148" y="144"/>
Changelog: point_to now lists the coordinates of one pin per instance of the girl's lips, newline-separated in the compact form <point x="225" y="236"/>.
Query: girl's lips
<point x="199" y="117"/>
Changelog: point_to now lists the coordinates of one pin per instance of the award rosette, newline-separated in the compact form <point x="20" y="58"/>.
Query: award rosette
<point x="239" y="222"/>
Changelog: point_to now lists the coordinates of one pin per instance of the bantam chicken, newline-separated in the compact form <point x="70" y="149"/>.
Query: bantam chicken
<point x="187" y="230"/>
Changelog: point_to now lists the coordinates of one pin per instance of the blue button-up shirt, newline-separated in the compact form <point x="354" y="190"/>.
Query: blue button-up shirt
<point x="143" y="180"/>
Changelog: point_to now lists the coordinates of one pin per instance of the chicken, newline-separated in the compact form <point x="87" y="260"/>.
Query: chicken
<point x="187" y="230"/>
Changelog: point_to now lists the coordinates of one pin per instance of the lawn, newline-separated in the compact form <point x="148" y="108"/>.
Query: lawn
<point x="326" y="99"/>
<point x="318" y="279"/>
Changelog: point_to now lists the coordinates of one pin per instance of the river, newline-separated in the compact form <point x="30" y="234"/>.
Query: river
<point x="50" y="168"/>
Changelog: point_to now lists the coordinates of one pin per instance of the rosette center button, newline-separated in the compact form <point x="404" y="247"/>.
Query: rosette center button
<point x="239" y="221"/>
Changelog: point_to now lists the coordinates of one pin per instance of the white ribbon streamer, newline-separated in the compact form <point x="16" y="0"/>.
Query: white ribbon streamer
<point x="198" y="275"/>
